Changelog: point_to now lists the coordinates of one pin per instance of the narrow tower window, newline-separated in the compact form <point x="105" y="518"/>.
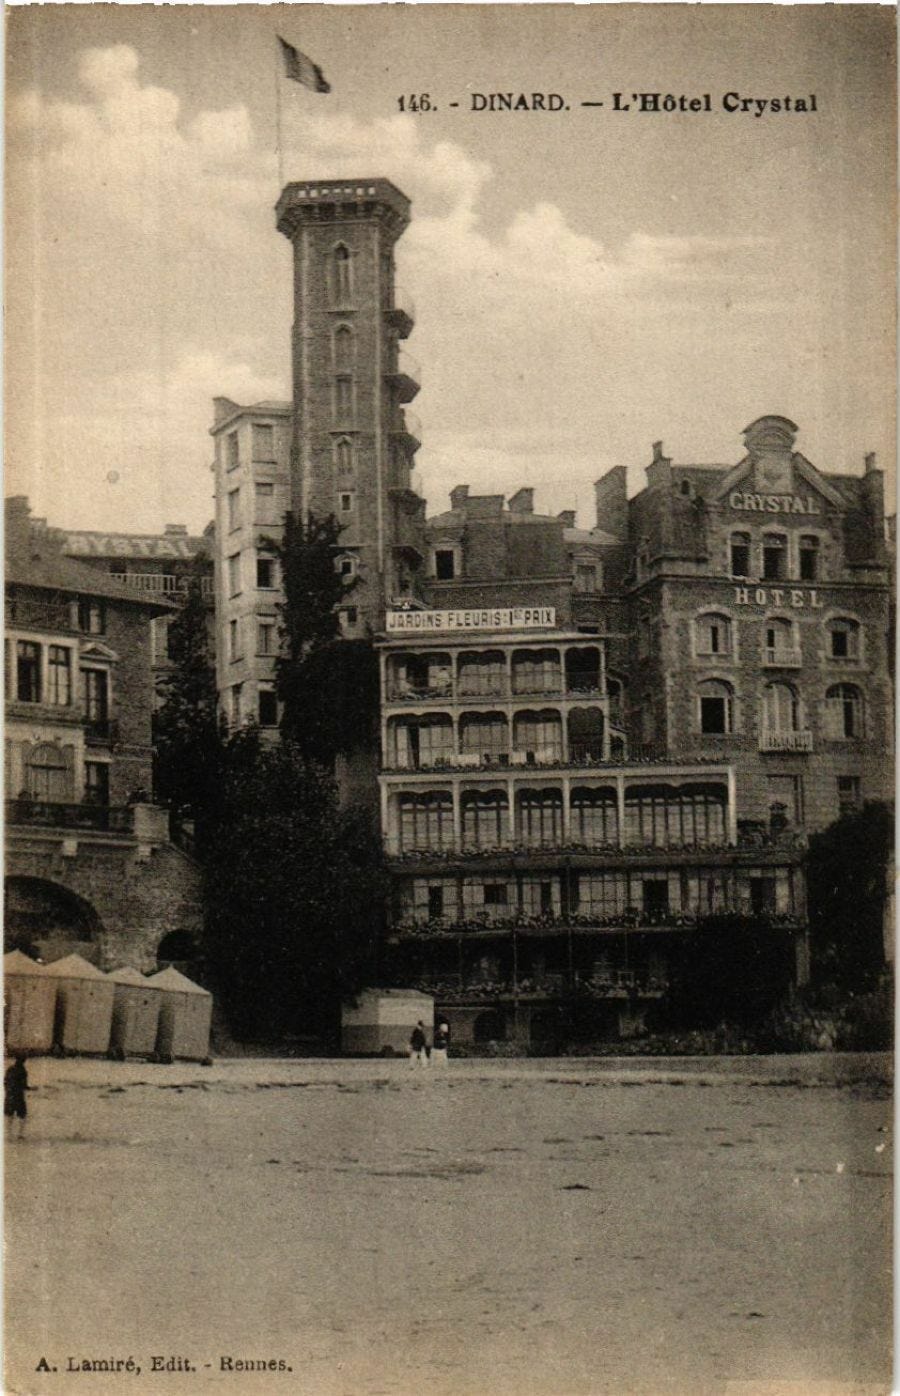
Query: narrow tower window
<point x="342" y="275"/>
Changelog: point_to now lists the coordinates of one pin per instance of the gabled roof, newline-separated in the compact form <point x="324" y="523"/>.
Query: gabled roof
<point x="129" y="975"/>
<point x="74" y="967"/>
<point x="34" y="558"/>
<point x="17" y="963"/>
<point x="171" y="979"/>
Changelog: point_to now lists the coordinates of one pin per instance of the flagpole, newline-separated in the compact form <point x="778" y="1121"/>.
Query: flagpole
<point x="278" y="148"/>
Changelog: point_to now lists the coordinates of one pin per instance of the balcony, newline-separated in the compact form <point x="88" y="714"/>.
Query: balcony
<point x="408" y="428"/>
<point x="782" y="657"/>
<point x="37" y="814"/>
<point x="35" y="614"/>
<point x="786" y="741"/>
<point x="575" y="691"/>
<point x="406" y="378"/>
<point x="401" y="316"/>
<point x="101" y="730"/>
<point x="616" y="984"/>
<point x="164" y="584"/>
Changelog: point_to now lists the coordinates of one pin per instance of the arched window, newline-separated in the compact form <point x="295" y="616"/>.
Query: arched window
<point x="843" y="712"/>
<point x="809" y="557"/>
<point x="343" y="349"/>
<point x="539" y="733"/>
<point x="713" y="634"/>
<point x="343" y="455"/>
<point x="484" y="818"/>
<point x="49" y="775"/>
<point x="342" y="267"/>
<point x="484" y="734"/>
<point x="781" y="708"/>
<point x="780" y="638"/>
<point x="739" y="548"/>
<point x="716" y="707"/>
<point x="540" y="818"/>
<point x="843" y="638"/>
<point x="595" y="819"/>
<point x="426" y="822"/>
<point x="774" y="557"/>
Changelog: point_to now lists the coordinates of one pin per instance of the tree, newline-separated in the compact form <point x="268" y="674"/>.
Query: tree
<point x="187" y="740"/>
<point x="847" y="885"/>
<point x="294" y="893"/>
<point x="328" y="686"/>
<point x="731" y="969"/>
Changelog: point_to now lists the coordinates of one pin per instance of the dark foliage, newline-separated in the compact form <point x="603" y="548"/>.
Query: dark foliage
<point x="187" y="740"/>
<point x="328" y="686"/>
<point x="731" y="969"/>
<point x="294" y="894"/>
<point x="849" y="864"/>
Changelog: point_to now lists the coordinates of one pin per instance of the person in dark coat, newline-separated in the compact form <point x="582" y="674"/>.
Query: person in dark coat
<point x="15" y="1084"/>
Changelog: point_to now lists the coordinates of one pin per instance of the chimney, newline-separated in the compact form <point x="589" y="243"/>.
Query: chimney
<point x="175" y="530"/>
<point x="567" y="518"/>
<point x="522" y="502"/>
<point x="17" y="506"/>
<point x="458" y="496"/>
<point x="223" y="407"/>
<point x="611" y="494"/>
<point x="871" y="462"/>
<point x="659" y="471"/>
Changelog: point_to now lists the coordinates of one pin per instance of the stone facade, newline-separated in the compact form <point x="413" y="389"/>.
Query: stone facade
<point x="89" y="863"/>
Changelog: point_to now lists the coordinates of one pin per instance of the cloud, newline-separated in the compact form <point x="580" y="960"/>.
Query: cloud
<point x="152" y="279"/>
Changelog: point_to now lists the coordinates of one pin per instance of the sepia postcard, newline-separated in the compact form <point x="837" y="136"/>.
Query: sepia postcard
<point x="450" y="528"/>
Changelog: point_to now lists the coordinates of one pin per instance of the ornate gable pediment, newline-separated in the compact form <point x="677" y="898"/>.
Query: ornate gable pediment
<point x="99" y="652"/>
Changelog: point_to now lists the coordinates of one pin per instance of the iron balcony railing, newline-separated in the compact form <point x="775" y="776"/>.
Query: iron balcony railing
<point x="37" y="813"/>
<point x="782" y="657"/>
<point x="786" y="741"/>
<point x="163" y="583"/>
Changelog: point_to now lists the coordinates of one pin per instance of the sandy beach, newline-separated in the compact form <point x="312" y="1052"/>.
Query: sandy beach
<point x="544" y="1228"/>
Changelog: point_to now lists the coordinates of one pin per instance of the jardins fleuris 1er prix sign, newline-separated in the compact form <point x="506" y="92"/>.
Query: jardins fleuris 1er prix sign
<point x="492" y="618"/>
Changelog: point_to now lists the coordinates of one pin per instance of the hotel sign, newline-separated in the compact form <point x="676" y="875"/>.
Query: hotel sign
<point x="774" y="503"/>
<point x="496" y="618"/>
<point x="130" y="545"/>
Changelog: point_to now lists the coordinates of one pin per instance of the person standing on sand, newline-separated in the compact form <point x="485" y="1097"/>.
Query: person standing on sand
<point x="15" y="1084"/>
<point x="441" y="1043"/>
<point x="417" y="1046"/>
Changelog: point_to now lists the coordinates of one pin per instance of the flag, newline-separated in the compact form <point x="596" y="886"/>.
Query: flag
<point x="302" y="69"/>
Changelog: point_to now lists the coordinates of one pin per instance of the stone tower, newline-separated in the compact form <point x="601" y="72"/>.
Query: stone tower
<point x="353" y="446"/>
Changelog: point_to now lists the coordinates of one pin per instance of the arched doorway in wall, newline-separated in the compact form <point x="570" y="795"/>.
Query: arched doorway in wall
<point x="179" y="949"/>
<point x="490" y="1026"/>
<point x="48" y="920"/>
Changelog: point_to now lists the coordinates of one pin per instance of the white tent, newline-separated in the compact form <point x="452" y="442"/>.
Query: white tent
<point x="381" y="1021"/>
<point x="184" y="1016"/>
<point x="84" y="1005"/>
<point x="135" y="1020"/>
<point x="29" y="997"/>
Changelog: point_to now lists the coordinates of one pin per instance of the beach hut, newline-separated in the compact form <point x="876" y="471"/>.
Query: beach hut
<point x="185" y="1013"/>
<point x="135" y="1017"/>
<point x="381" y="1021"/>
<point x="84" y="1005"/>
<point x="29" y="996"/>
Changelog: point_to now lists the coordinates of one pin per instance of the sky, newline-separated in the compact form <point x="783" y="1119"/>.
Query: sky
<point x="586" y="282"/>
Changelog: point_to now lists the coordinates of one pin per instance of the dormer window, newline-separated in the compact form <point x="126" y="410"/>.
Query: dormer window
<point x="444" y="564"/>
